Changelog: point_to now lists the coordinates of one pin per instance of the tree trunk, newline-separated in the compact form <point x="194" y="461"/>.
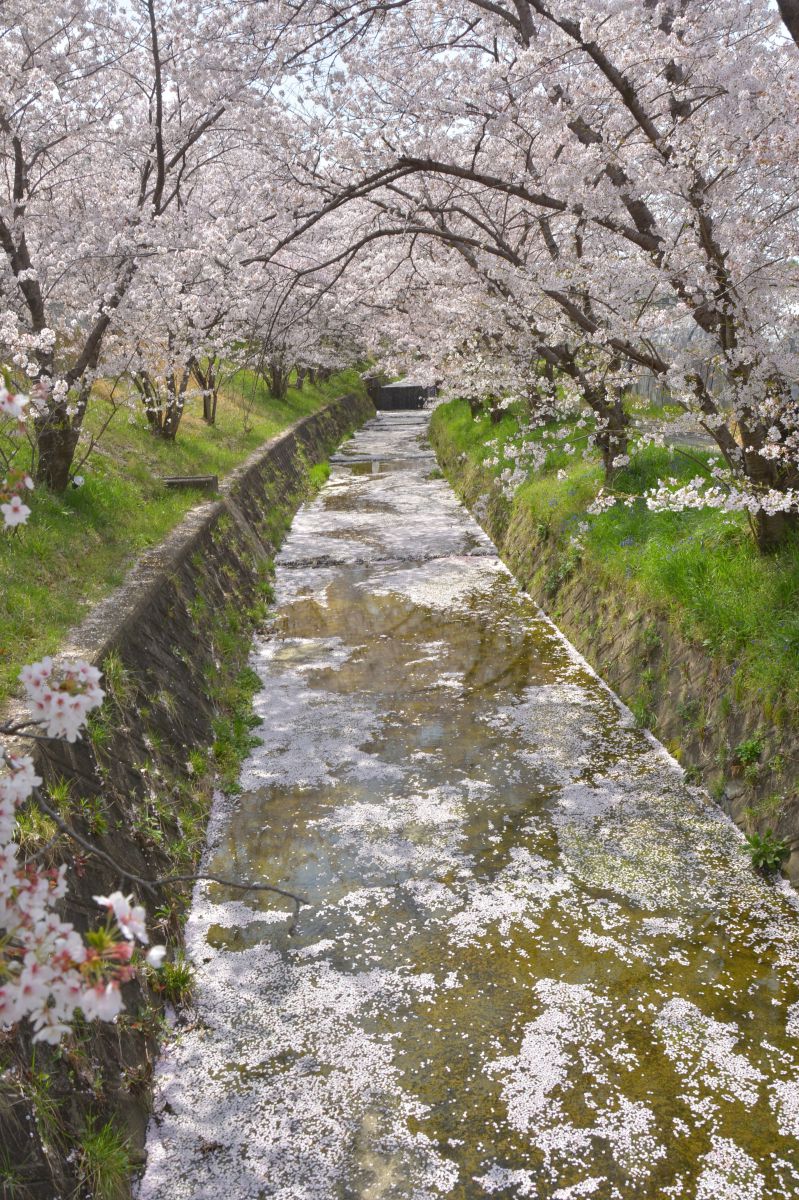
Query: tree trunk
<point x="57" y="436"/>
<point x="210" y="397"/>
<point x="491" y="403"/>
<point x="56" y="442"/>
<point x="175" y="392"/>
<point x="772" y="530"/>
<point x="209" y="384"/>
<point x="302" y="373"/>
<point x="613" y="438"/>
<point x="789" y="11"/>
<point x="278" y="380"/>
<point x="163" y="413"/>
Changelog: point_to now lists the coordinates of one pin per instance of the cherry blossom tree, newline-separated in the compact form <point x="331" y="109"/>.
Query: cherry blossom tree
<point x="644" y="159"/>
<point x="110" y="117"/>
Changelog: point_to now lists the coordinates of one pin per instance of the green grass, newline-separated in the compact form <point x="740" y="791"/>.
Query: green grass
<point x="77" y="547"/>
<point x="233" y="728"/>
<point x="104" y="1162"/>
<point x="702" y="567"/>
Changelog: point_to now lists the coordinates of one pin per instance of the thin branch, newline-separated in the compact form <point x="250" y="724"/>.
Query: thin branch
<point x="151" y="885"/>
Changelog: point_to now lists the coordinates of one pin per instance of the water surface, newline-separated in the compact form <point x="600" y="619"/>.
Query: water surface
<point x="534" y="962"/>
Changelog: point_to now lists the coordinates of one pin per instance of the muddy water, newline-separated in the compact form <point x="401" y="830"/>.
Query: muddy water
<point x="534" y="962"/>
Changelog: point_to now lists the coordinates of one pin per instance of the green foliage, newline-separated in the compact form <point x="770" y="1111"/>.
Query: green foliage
<point x="100" y="727"/>
<point x="700" y="567"/>
<point x="78" y="546"/>
<point x="767" y="851"/>
<point x="104" y="1162"/>
<point x="176" y="980"/>
<point x="12" y="1185"/>
<point x="318" y="475"/>
<point x="197" y="761"/>
<point x="689" y="710"/>
<point x="36" y="833"/>
<point x="748" y="752"/>
<point x="766" y="808"/>
<point x="46" y="1108"/>
<point x="115" y="678"/>
<point x="640" y="708"/>
<point x="233" y="737"/>
<point x="92" y="810"/>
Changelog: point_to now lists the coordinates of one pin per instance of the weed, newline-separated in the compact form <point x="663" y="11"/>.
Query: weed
<point x="767" y="851"/>
<point x="639" y="707"/>
<point x="688" y="710"/>
<point x="197" y="761"/>
<point x="104" y="1162"/>
<point x="233" y="736"/>
<point x="176" y="981"/>
<point x="768" y="808"/>
<point x="36" y="833"/>
<point x="99" y="727"/>
<point x="318" y="475"/>
<point x="752" y="772"/>
<point x="12" y="1185"/>
<point x="92" y="810"/>
<point x="748" y="752"/>
<point x="137" y="1078"/>
<point x="116" y="679"/>
<point x="717" y="790"/>
<point x="651" y="637"/>
<point x="47" y="1111"/>
<point x="59" y="791"/>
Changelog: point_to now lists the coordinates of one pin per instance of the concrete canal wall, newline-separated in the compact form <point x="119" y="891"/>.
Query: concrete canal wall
<point x="173" y="641"/>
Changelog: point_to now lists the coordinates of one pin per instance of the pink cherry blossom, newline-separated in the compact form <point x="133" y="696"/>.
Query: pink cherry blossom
<point x="48" y="971"/>
<point x="129" y="917"/>
<point x="15" y="512"/>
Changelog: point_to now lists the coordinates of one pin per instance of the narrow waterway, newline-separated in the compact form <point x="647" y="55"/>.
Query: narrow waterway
<point x="534" y="962"/>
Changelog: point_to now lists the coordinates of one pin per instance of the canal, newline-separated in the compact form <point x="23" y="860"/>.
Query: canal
<point x="534" y="962"/>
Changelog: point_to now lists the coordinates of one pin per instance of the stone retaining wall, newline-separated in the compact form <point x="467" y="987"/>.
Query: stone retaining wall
<point x="171" y="639"/>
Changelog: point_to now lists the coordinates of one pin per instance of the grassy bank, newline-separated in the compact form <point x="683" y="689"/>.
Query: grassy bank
<point x="701" y="568"/>
<point x="77" y="547"/>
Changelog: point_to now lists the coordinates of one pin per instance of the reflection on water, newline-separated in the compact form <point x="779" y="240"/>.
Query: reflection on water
<point x="534" y="962"/>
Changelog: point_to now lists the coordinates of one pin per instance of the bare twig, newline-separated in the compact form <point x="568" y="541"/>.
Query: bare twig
<point x="151" y="885"/>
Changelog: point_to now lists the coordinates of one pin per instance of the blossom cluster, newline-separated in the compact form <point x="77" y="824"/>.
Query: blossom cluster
<point x="16" y="482"/>
<point x="47" y="970"/>
<point x="668" y="496"/>
<point x="61" y="697"/>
